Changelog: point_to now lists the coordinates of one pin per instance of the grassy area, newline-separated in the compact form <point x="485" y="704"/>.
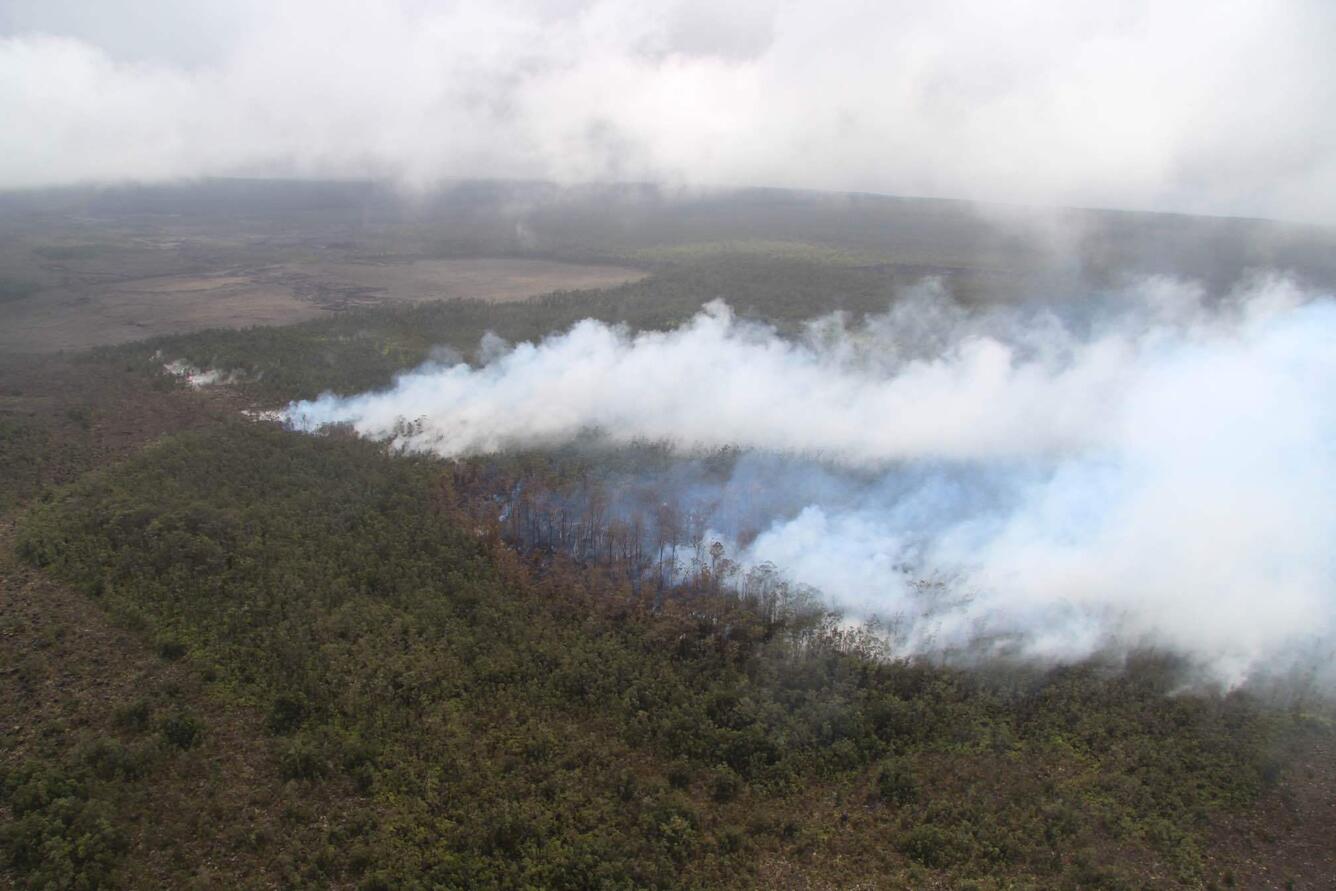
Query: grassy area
<point x="62" y="252"/>
<point x="778" y="250"/>
<point x="362" y="349"/>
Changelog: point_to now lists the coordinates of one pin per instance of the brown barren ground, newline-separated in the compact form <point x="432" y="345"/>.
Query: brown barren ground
<point x="1288" y="841"/>
<point x="79" y="316"/>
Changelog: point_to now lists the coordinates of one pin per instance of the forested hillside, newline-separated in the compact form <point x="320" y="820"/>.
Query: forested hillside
<point x="486" y="721"/>
<point x="234" y="655"/>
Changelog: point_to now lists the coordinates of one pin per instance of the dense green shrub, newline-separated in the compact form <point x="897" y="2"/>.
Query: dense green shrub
<point x="286" y="714"/>
<point x="302" y="759"/>
<point x="896" y="783"/>
<point x="134" y="716"/>
<point x="930" y="845"/>
<point x="170" y="648"/>
<point x="182" y="730"/>
<point x="61" y="835"/>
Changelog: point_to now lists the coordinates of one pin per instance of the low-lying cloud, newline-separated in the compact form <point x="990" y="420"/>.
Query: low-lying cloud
<point x="1201" y="107"/>
<point x="1159" y="471"/>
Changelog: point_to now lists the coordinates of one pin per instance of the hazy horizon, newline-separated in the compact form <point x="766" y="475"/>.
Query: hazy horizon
<point x="1187" y="108"/>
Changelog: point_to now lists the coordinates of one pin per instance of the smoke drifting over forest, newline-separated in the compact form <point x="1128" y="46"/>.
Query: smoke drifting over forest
<point x="1157" y="470"/>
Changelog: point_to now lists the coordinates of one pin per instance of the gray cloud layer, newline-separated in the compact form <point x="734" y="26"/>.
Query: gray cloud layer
<point x="1196" y="106"/>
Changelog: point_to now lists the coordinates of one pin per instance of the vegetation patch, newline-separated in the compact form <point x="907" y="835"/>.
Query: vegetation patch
<point x="534" y="721"/>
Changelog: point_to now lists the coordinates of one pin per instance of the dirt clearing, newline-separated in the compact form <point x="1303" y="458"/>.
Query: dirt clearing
<point x="77" y="317"/>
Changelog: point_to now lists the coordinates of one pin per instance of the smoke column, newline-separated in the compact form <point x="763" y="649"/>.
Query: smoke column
<point x="1160" y="470"/>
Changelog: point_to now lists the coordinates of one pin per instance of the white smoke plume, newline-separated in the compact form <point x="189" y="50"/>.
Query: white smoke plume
<point x="1158" y="472"/>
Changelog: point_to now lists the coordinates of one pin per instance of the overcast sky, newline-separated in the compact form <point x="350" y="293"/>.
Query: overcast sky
<point x="1226" y="106"/>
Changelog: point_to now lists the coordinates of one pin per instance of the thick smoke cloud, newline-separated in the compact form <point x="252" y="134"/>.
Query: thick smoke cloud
<point x="1202" y="107"/>
<point x="1158" y="471"/>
